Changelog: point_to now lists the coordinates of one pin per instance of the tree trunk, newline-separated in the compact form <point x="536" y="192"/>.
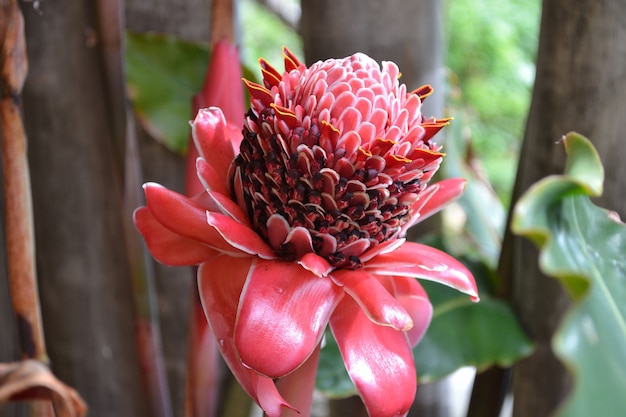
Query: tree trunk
<point x="581" y="86"/>
<point x="410" y="34"/>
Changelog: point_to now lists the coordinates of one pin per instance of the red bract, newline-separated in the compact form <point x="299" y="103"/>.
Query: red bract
<point x="302" y="224"/>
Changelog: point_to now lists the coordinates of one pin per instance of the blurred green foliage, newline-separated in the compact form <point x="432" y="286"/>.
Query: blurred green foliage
<point x="264" y="35"/>
<point x="491" y="48"/>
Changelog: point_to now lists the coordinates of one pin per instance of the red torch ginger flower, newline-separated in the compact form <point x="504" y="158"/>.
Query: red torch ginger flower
<point x="302" y="226"/>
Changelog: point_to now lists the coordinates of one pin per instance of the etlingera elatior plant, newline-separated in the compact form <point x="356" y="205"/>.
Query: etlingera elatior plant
<point x="301" y="225"/>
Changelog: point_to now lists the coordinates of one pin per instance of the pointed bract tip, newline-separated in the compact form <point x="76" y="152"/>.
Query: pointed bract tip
<point x="208" y="115"/>
<point x="423" y="91"/>
<point x="151" y="184"/>
<point x="291" y="61"/>
<point x="315" y="264"/>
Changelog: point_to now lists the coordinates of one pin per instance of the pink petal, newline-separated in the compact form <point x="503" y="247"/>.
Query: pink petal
<point x="186" y="217"/>
<point x="447" y="191"/>
<point x="385" y="247"/>
<point x="355" y="248"/>
<point x="299" y="239"/>
<point x="378" y="358"/>
<point x="269" y="398"/>
<point x="421" y="261"/>
<point x="434" y="198"/>
<point x="297" y="387"/>
<point x="222" y="87"/>
<point x="229" y="208"/>
<point x="214" y="140"/>
<point x="283" y="311"/>
<point x="277" y="230"/>
<point x="412" y="296"/>
<point x="216" y="193"/>
<point x="209" y="177"/>
<point x="220" y="283"/>
<point x="168" y="247"/>
<point x="239" y="236"/>
<point x="316" y="264"/>
<point x="380" y="306"/>
<point x="222" y="84"/>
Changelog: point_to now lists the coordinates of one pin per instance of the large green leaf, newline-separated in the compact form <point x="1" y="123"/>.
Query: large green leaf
<point x="463" y="333"/>
<point x="163" y="73"/>
<point x="332" y="378"/>
<point x="583" y="246"/>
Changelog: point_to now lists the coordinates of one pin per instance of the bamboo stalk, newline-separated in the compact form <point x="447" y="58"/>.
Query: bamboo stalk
<point x="19" y="213"/>
<point x="20" y="239"/>
<point x="147" y="329"/>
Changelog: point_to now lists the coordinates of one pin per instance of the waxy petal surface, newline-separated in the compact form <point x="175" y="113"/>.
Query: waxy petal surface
<point x="222" y="84"/>
<point x="220" y="282"/>
<point x="239" y="236"/>
<point x="297" y="388"/>
<point x="268" y="396"/>
<point x="229" y="208"/>
<point x="210" y="179"/>
<point x="380" y="306"/>
<point x="316" y="264"/>
<point x="434" y="198"/>
<point x="447" y="191"/>
<point x="222" y="87"/>
<point x="282" y="315"/>
<point x="214" y="140"/>
<point x="379" y="360"/>
<point x="184" y="216"/>
<point x="412" y="296"/>
<point x="421" y="261"/>
<point x="168" y="247"/>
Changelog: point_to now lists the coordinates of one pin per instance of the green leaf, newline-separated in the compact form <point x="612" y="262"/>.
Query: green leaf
<point x="163" y="73"/>
<point x="583" y="246"/>
<point x="463" y="333"/>
<point x="332" y="378"/>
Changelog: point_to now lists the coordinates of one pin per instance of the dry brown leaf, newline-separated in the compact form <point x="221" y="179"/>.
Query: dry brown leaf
<point x="32" y="380"/>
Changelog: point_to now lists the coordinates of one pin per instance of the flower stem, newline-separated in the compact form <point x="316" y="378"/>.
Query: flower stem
<point x="297" y="387"/>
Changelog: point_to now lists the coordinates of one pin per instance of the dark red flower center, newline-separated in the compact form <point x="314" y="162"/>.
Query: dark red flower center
<point x="356" y="206"/>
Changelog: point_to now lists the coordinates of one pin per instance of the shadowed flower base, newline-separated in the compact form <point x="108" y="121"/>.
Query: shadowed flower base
<point x="301" y="226"/>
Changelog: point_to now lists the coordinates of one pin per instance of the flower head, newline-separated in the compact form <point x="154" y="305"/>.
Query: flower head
<point x="334" y="157"/>
<point x="301" y="226"/>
